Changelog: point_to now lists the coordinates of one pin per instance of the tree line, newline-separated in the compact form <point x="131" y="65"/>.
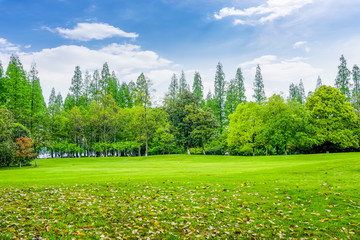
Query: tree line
<point x="102" y="116"/>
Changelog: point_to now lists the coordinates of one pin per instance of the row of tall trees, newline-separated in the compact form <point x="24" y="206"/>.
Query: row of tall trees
<point x="102" y="116"/>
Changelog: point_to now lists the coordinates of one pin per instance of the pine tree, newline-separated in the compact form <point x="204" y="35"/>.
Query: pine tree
<point x="38" y="107"/>
<point x="198" y="89"/>
<point x="173" y="89"/>
<point x="231" y="98"/>
<point x="87" y="88"/>
<point x="130" y="94"/>
<point x="2" y="87"/>
<point x="318" y="83"/>
<point x="143" y="98"/>
<point x="76" y="87"/>
<point x="294" y="93"/>
<point x="240" y="88"/>
<point x="356" y="89"/>
<point x="120" y="98"/>
<point x="17" y="91"/>
<point x="104" y="80"/>
<point x="302" y="92"/>
<point x="59" y="101"/>
<point x="259" y="92"/>
<point x="113" y="85"/>
<point x="52" y="97"/>
<point x="95" y="86"/>
<point x="219" y="96"/>
<point x="183" y="86"/>
<point x="342" y="80"/>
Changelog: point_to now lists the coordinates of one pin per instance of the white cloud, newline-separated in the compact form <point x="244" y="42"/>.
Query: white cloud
<point x="56" y="65"/>
<point x="279" y="73"/>
<point x="263" y="13"/>
<point x="302" y="44"/>
<point x="89" y="31"/>
<point x="6" y="46"/>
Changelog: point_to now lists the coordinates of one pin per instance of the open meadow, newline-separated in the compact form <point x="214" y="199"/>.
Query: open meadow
<point x="181" y="196"/>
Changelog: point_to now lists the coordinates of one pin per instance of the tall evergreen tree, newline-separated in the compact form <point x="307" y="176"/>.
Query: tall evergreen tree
<point x="173" y="91"/>
<point x="130" y="94"/>
<point x="87" y="88"/>
<point x="113" y="85"/>
<point x="231" y="100"/>
<point x="240" y="88"/>
<point x="104" y="80"/>
<point x="302" y="92"/>
<point x="143" y="98"/>
<point x="355" y="97"/>
<point x="259" y="92"/>
<point x="318" y="83"/>
<point x="17" y="91"/>
<point x="219" y="95"/>
<point x="183" y="84"/>
<point x="38" y="107"/>
<point x="95" y="86"/>
<point x="76" y="87"/>
<point x="198" y="89"/>
<point x="52" y="97"/>
<point x="342" y="80"/>
<point x="1" y="70"/>
<point x="2" y="87"/>
<point x="59" y="100"/>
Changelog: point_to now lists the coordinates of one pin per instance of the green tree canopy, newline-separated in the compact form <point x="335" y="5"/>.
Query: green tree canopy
<point x="333" y="118"/>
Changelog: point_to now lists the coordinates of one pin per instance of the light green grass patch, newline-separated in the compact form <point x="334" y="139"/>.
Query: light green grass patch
<point x="180" y="196"/>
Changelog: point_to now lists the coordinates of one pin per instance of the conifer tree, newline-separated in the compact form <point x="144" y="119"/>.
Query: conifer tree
<point x="17" y="91"/>
<point x="231" y="100"/>
<point x="87" y="89"/>
<point x="302" y="92"/>
<point x="2" y="89"/>
<point x="104" y="80"/>
<point x="38" y="107"/>
<point x="143" y="98"/>
<point x="198" y="89"/>
<point x="173" y="91"/>
<point x="219" y="95"/>
<point x="183" y="84"/>
<point x="59" y="101"/>
<point x="130" y="94"/>
<point x="76" y="87"/>
<point x="121" y="95"/>
<point x="259" y="93"/>
<point x="342" y="80"/>
<point x="113" y="85"/>
<point x="318" y="83"/>
<point x="355" y="97"/>
<point x="240" y="88"/>
<point x="95" y="86"/>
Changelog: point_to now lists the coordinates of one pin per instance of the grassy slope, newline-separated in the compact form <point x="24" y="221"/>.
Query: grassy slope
<point x="206" y="169"/>
<point x="303" y="196"/>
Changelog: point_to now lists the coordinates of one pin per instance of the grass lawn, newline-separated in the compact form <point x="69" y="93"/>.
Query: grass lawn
<point x="180" y="196"/>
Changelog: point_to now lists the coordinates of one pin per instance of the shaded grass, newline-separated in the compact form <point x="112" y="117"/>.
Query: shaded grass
<point x="179" y="196"/>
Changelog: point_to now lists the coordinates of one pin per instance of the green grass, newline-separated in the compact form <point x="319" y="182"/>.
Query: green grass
<point x="180" y="196"/>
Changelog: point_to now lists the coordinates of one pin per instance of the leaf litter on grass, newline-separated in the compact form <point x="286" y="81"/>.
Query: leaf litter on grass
<point x="177" y="210"/>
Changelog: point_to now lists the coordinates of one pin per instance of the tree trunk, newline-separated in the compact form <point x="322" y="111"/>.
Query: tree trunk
<point x="19" y="164"/>
<point x="188" y="151"/>
<point x="139" y="152"/>
<point x="36" y="162"/>
<point x="253" y="152"/>
<point x="285" y="150"/>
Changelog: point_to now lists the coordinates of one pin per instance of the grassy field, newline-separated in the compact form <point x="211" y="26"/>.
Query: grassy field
<point x="180" y="196"/>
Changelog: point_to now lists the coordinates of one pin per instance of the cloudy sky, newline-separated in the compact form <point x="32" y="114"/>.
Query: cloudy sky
<point x="290" y="39"/>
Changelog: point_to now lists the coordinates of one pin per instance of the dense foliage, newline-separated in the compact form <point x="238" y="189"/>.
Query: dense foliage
<point x="102" y="116"/>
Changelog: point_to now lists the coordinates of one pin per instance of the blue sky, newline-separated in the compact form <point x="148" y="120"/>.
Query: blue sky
<point x="290" y="39"/>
